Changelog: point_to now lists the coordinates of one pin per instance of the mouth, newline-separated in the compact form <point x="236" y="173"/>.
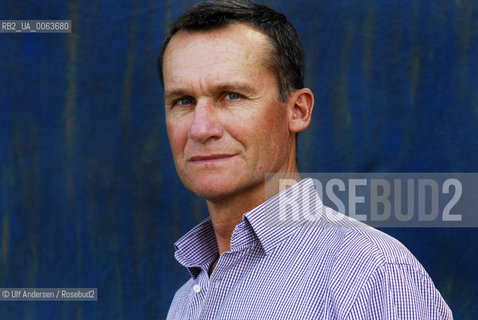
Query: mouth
<point x="211" y="158"/>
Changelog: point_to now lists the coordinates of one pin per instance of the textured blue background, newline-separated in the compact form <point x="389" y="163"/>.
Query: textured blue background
<point x="88" y="192"/>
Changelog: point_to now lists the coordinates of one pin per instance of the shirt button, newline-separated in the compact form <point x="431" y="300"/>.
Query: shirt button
<point x="197" y="288"/>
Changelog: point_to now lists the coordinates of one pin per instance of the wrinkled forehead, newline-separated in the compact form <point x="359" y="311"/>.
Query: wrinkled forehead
<point x="233" y="30"/>
<point x="203" y="60"/>
<point x="232" y="49"/>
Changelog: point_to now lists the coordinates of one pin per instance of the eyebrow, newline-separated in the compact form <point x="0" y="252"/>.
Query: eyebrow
<point x="228" y="86"/>
<point x="174" y="93"/>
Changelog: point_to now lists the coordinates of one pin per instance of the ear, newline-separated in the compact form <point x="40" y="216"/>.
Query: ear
<point x="300" y="105"/>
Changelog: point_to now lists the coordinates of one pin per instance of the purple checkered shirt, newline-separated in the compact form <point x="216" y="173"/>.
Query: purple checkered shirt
<point x="296" y="259"/>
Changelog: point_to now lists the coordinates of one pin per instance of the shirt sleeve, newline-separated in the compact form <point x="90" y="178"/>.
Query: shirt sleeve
<point x="399" y="291"/>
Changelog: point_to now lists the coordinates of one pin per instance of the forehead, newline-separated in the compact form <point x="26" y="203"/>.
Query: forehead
<point x="233" y="50"/>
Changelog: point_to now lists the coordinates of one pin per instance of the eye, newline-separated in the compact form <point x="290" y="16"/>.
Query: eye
<point x="232" y="96"/>
<point x="184" y="101"/>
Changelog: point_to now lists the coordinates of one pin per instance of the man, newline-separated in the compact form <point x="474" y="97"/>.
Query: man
<point x="234" y="96"/>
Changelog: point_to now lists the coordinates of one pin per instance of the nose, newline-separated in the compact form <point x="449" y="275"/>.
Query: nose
<point x="205" y="124"/>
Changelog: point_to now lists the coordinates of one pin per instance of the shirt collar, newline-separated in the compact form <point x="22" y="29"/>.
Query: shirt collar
<point x="268" y="224"/>
<point x="197" y="249"/>
<point x="280" y="216"/>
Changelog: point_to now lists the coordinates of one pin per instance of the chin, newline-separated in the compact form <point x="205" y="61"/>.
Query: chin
<point x="212" y="188"/>
<point x="212" y="195"/>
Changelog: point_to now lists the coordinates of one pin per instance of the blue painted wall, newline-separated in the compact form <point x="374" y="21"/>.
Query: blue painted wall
<point x="88" y="192"/>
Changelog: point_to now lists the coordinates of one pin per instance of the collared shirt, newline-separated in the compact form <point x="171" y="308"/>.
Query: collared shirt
<point x="293" y="258"/>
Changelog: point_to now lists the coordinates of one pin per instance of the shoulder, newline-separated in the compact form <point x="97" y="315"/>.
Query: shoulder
<point x="373" y="273"/>
<point x="361" y="252"/>
<point x="354" y="239"/>
<point x="337" y="244"/>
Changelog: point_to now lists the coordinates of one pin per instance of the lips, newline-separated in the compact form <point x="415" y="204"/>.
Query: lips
<point x="209" y="158"/>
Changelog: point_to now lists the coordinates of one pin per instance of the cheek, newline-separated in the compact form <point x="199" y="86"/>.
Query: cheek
<point x="262" y="133"/>
<point x="275" y="132"/>
<point x="177" y="134"/>
<point x="275" y="123"/>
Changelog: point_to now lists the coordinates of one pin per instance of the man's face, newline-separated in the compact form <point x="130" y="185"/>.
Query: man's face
<point x="225" y="123"/>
